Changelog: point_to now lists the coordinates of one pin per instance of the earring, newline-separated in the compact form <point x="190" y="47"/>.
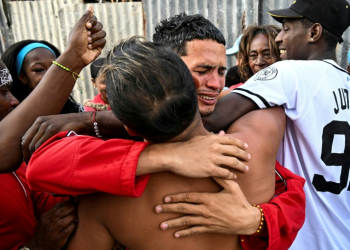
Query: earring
<point x="311" y="39"/>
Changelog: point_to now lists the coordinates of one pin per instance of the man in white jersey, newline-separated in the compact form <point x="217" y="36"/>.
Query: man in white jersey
<point x="315" y="96"/>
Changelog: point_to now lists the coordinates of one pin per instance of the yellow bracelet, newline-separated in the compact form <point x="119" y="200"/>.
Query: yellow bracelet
<point x="73" y="73"/>
<point x="65" y="68"/>
<point x="261" y="220"/>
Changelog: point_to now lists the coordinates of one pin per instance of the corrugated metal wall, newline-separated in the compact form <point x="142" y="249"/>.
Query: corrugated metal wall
<point x="38" y="20"/>
<point x="5" y="37"/>
<point x="51" y="20"/>
<point x="120" y="20"/>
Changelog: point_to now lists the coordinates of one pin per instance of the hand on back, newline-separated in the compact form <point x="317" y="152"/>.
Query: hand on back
<point x="55" y="226"/>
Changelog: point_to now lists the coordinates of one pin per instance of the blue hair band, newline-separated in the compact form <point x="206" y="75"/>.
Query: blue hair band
<point x="25" y="50"/>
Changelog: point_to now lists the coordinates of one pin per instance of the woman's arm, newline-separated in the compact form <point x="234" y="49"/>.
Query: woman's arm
<point x="85" y="43"/>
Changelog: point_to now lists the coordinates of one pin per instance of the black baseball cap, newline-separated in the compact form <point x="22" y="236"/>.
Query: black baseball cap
<point x="333" y="15"/>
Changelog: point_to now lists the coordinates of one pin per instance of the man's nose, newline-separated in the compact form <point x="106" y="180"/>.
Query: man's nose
<point x="278" y="38"/>
<point x="214" y="81"/>
<point x="13" y="100"/>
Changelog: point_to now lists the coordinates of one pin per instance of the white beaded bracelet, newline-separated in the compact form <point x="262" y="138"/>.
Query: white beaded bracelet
<point x="96" y="127"/>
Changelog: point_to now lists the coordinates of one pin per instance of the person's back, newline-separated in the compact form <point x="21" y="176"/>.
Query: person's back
<point x="133" y="222"/>
<point x="141" y="229"/>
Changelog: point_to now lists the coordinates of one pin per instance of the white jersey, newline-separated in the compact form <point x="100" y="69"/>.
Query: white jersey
<point x="316" y="144"/>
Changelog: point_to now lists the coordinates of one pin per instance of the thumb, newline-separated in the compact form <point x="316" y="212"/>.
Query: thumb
<point x="224" y="183"/>
<point x="221" y="133"/>
<point x="87" y="16"/>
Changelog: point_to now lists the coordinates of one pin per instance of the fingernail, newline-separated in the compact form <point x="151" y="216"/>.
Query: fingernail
<point x="246" y="168"/>
<point x="245" y="145"/>
<point x="158" y="209"/>
<point x="234" y="176"/>
<point x="164" y="226"/>
<point x="167" y="199"/>
<point x="249" y="156"/>
<point x="177" y="235"/>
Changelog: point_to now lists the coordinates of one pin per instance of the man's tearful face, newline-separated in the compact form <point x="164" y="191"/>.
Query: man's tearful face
<point x="206" y="60"/>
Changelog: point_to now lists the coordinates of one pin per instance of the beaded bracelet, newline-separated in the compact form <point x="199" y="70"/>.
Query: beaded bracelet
<point x="261" y="220"/>
<point x="96" y="127"/>
<point x="75" y="75"/>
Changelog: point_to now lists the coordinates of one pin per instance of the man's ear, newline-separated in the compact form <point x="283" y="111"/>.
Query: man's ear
<point x="130" y="131"/>
<point x="22" y="78"/>
<point x="315" y="33"/>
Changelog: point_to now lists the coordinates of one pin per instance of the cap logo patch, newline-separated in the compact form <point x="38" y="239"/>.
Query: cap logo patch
<point x="5" y="77"/>
<point x="266" y="74"/>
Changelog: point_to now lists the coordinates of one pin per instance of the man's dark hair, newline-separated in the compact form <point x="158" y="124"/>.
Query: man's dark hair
<point x="96" y="66"/>
<point x="331" y="39"/>
<point x="20" y="90"/>
<point x="150" y="89"/>
<point x="176" y="31"/>
<point x="232" y="77"/>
